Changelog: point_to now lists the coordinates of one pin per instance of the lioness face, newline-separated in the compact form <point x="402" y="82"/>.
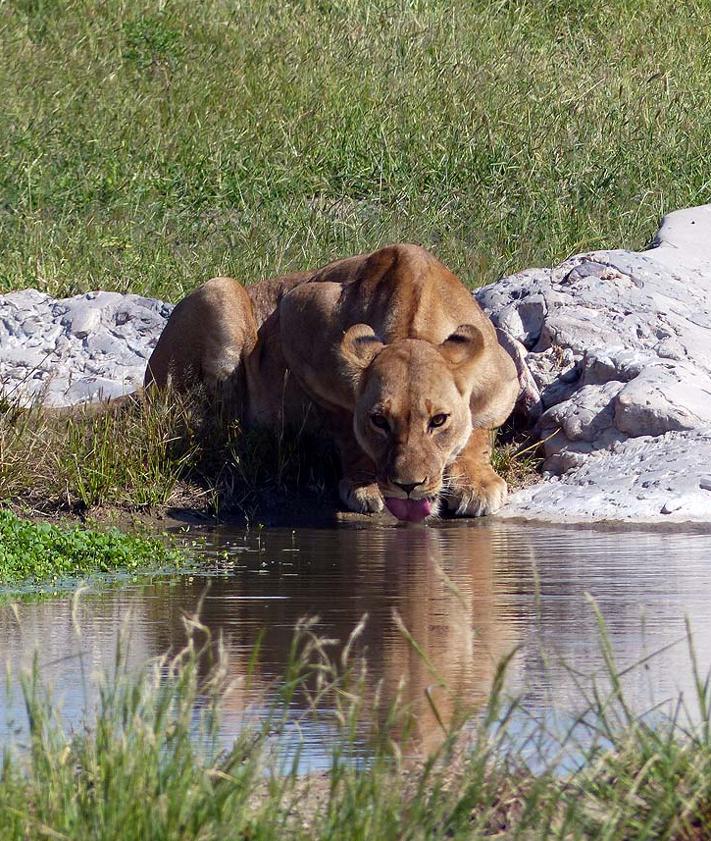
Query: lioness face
<point x="412" y="420"/>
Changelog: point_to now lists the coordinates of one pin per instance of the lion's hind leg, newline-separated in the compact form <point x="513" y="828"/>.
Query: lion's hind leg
<point x="204" y="344"/>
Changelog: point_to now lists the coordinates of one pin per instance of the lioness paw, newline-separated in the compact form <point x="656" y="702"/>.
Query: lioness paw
<point x="364" y="499"/>
<point x="477" y="497"/>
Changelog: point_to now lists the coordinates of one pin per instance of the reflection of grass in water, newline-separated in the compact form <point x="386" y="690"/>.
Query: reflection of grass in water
<point x="149" y="766"/>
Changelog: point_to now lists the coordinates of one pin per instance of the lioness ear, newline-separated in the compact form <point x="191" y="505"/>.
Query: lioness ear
<point x="359" y="346"/>
<point x="485" y="372"/>
<point x="462" y="346"/>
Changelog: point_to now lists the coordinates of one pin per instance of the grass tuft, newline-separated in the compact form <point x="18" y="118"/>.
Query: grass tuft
<point x="149" y="763"/>
<point x="124" y="455"/>
<point x="149" y="455"/>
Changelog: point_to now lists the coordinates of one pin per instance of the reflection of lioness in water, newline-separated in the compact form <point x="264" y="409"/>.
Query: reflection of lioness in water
<point x="401" y="361"/>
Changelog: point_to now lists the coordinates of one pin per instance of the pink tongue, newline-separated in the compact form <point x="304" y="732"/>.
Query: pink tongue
<point x="411" y="510"/>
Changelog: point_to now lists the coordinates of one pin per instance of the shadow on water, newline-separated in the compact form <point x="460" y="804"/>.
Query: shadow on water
<point x="468" y="594"/>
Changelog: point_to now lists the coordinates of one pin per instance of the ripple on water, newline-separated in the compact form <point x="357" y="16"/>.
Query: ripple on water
<point x="469" y="593"/>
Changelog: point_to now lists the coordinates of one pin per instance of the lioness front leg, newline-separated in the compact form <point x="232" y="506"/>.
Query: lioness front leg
<point x="473" y="488"/>
<point x="357" y="489"/>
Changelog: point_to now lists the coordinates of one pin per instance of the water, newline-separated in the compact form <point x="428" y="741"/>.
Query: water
<point x="469" y="593"/>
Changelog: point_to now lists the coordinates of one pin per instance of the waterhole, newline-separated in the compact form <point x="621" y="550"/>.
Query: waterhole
<point x="444" y="605"/>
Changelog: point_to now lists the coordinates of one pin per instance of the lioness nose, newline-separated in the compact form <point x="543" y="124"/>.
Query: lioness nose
<point x="409" y="487"/>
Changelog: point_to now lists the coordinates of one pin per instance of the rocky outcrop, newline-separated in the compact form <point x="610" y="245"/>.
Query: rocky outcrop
<point x="618" y="346"/>
<point x="613" y="350"/>
<point x="76" y="350"/>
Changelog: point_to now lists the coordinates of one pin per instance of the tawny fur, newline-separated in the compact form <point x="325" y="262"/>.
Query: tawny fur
<point x="394" y="334"/>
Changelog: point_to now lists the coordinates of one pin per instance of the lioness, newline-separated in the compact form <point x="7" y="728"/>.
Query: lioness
<point x="389" y="348"/>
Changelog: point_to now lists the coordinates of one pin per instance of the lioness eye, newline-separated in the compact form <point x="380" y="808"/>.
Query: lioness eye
<point x="380" y="421"/>
<point x="438" y="420"/>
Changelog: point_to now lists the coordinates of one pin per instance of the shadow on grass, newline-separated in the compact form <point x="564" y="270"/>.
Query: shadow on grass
<point x="168" y="455"/>
<point x="138" y="455"/>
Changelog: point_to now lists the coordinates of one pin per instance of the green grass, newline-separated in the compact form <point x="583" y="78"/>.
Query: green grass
<point x="129" y="456"/>
<point x="40" y="553"/>
<point x="147" y="456"/>
<point x="147" y="146"/>
<point x="148" y="766"/>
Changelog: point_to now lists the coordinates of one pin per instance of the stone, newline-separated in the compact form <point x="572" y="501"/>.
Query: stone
<point x="618" y="344"/>
<point x="631" y="481"/>
<point x="75" y="350"/>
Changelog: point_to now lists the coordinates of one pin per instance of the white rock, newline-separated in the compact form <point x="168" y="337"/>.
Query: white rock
<point x="622" y="360"/>
<point x="640" y="480"/>
<point x="75" y="350"/>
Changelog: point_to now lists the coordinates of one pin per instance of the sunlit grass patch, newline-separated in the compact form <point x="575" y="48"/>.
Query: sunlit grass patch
<point x="35" y="553"/>
<point x="148" y="147"/>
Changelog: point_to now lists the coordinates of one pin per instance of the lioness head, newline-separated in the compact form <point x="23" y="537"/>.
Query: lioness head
<point x="415" y="406"/>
